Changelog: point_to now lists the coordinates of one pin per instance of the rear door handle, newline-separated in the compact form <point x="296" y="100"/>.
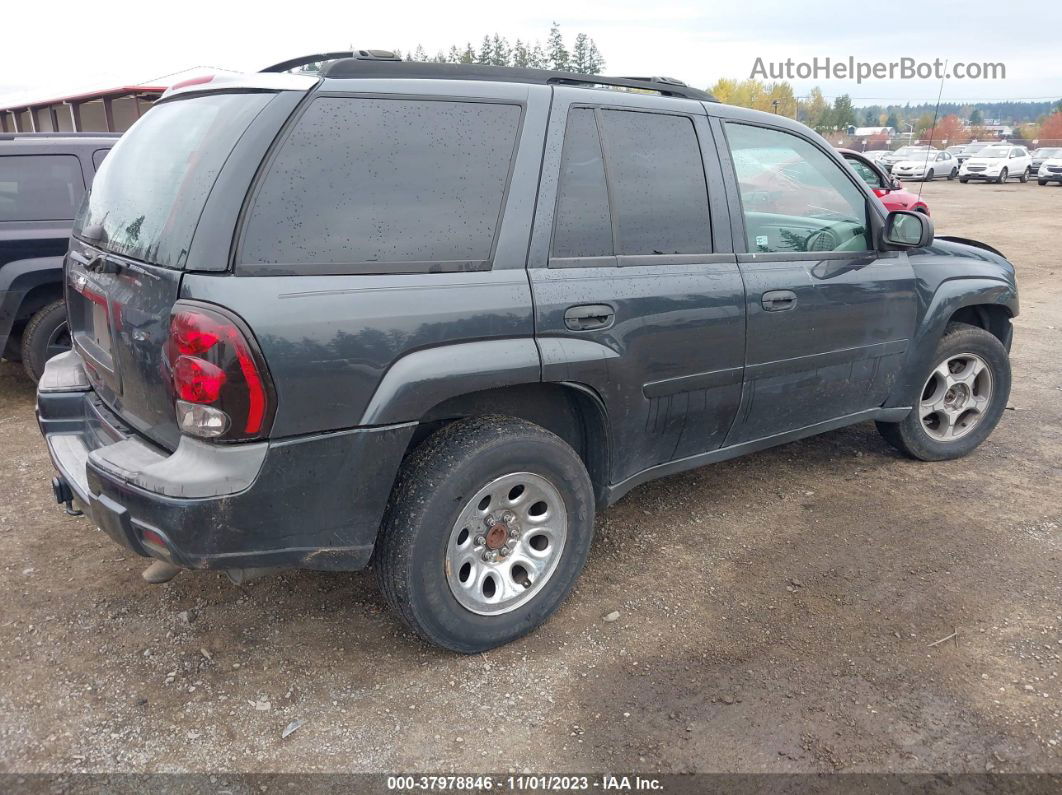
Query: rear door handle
<point x="588" y="317"/>
<point x="778" y="300"/>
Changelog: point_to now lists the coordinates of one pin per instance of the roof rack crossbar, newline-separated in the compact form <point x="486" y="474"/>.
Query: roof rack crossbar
<point x="417" y="70"/>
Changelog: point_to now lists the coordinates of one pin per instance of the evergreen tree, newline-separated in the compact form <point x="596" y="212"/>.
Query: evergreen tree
<point x="843" y="112"/>
<point x="468" y="55"/>
<point x="537" y="58"/>
<point x="870" y="118"/>
<point x="580" y="58"/>
<point x="420" y="55"/>
<point x="454" y="55"/>
<point x="595" y="63"/>
<point x="486" y="51"/>
<point x="521" y="55"/>
<point x="977" y="118"/>
<point x="500" y="52"/>
<point x="893" y="121"/>
<point x="556" y="52"/>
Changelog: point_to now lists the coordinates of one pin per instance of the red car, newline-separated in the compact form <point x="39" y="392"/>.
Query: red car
<point x="886" y="188"/>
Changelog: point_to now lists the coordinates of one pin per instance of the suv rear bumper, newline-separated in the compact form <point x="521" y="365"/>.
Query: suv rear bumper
<point x="313" y="502"/>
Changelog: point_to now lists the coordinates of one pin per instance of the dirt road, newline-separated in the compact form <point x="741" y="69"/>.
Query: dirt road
<point x="777" y="613"/>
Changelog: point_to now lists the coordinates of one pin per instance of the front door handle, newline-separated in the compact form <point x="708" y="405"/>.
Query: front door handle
<point x="588" y="317"/>
<point x="778" y="300"/>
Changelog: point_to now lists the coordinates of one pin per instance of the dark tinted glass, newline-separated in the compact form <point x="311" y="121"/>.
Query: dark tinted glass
<point x="40" y="187"/>
<point x="150" y="190"/>
<point x="583" y="227"/>
<point x="97" y="157"/>
<point x="385" y="180"/>
<point x="659" y="195"/>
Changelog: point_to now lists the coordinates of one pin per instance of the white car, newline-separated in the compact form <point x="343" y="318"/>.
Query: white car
<point x="927" y="165"/>
<point x="998" y="163"/>
<point x="1050" y="171"/>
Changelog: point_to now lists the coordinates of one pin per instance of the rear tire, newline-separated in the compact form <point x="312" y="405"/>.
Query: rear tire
<point x="438" y="523"/>
<point x="919" y="435"/>
<point x="954" y="173"/>
<point x="46" y="335"/>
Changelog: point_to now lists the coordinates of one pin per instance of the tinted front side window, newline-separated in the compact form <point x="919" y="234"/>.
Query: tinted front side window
<point x="584" y="227"/>
<point x="659" y="194"/>
<point x="40" y="187"/>
<point x="385" y="180"/>
<point x="868" y="175"/>
<point x="795" y="198"/>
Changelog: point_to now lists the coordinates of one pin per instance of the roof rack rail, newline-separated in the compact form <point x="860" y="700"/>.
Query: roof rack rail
<point x="357" y="55"/>
<point x="417" y="70"/>
<point x="7" y="136"/>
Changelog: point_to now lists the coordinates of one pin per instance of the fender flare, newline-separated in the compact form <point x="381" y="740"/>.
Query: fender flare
<point x="17" y="279"/>
<point x="949" y="297"/>
<point x="425" y="378"/>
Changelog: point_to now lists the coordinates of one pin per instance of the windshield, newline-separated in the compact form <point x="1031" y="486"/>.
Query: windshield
<point x="910" y="151"/>
<point x="995" y="151"/>
<point x="972" y="148"/>
<point x="150" y="191"/>
<point x="1045" y="153"/>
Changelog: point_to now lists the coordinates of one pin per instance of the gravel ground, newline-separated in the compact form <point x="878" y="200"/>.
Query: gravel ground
<point x="776" y="613"/>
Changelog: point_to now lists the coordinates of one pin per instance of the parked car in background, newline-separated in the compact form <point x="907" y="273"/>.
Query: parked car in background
<point x="887" y="161"/>
<point x="43" y="178"/>
<point x="927" y="166"/>
<point x="1038" y="156"/>
<point x="964" y="151"/>
<point x="874" y="155"/>
<point x="1050" y="170"/>
<point x="885" y="187"/>
<point x="440" y="315"/>
<point x="998" y="163"/>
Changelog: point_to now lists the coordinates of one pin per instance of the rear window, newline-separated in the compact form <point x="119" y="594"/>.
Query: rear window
<point x="405" y="183"/>
<point x="150" y="190"/>
<point x="40" y="187"/>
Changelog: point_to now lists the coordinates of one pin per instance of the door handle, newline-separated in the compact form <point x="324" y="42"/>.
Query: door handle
<point x="588" y="317"/>
<point x="778" y="300"/>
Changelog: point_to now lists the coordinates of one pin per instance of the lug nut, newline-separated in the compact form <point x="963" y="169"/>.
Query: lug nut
<point x="514" y="533"/>
<point x="508" y="517"/>
<point x="488" y="556"/>
<point x="481" y="540"/>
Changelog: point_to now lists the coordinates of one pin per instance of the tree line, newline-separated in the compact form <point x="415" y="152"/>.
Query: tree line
<point x="951" y="121"/>
<point x="495" y="50"/>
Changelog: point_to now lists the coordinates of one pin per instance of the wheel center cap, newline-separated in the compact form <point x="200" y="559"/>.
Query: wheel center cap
<point x="497" y="535"/>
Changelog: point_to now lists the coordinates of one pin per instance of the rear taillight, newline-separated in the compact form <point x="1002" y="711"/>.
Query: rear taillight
<point x="220" y="383"/>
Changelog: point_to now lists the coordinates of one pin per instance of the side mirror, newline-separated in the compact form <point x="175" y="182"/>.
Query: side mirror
<point x="905" y="229"/>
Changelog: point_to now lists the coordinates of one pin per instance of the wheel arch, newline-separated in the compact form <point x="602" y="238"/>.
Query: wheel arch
<point x="572" y="411"/>
<point x="983" y="302"/>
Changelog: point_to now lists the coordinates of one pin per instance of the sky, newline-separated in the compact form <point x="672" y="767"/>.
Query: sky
<point x="59" y="47"/>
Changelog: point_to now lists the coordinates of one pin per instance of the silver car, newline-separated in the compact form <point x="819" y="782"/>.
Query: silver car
<point x="927" y="165"/>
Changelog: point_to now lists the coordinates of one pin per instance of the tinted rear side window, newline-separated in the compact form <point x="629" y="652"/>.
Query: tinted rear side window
<point x="40" y="187"/>
<point x="363" y="181"/>
<point x="659" y="193"/>
<point x="584" y="225"/>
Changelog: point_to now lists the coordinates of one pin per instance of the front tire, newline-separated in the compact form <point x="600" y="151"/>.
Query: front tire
<point x="472" y="489"/>
<point x="1002" y="177"/>
<point x="1024" y="177"/>
<point x="964" y="180"/>
<point x="46" y="335"/>
<point x="1041" y="182"/>
<point x="929" y="177"/>
<point x="961" y="401"/>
